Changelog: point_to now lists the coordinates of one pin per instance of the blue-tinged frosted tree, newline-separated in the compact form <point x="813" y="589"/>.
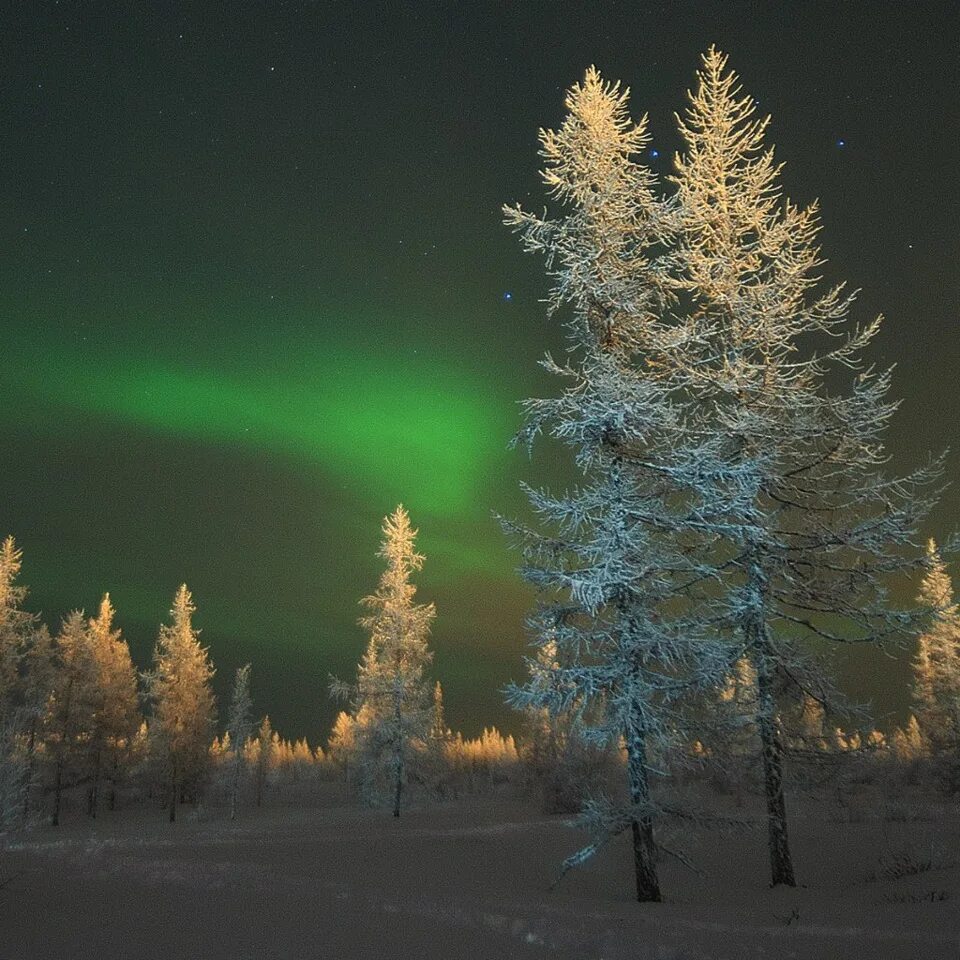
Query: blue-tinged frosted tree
<point x="618" y="621"/>
<point x="799" y="504"/>
<point x="239" y="725"/>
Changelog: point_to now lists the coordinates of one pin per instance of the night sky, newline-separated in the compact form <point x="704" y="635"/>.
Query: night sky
<point x="255" y="292"/>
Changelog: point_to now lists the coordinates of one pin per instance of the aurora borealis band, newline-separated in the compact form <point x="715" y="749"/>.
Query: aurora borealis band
<point x="254" y="292"/>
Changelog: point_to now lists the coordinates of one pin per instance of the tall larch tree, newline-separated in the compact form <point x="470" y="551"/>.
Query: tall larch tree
<point x="810" y="527"/>
<point x="391" y="698"/>
<point x="608" y="557"/>
<point x="936" y="691"/>
<point x="184" y="708"/>
<point x="116" y="716"/>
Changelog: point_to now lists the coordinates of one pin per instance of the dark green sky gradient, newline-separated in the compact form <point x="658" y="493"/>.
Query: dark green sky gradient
<point x="244" y="310"/>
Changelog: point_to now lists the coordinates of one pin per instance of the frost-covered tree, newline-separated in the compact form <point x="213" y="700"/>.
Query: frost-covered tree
<point x="26" y="664"/>
<point x="810" y="528"/>
<point x="265" y="758"/>
<point x="72" y="706"/>
<point x="15" y="628"/>
<point x="936" y="690"/>
<point x="391" y="698"/>
<point x="302" y="758"/>
<point x="610" y="556"/>
<point x="239" y="725"/>
<point x="342" y="743"/>
<point x="116" y="716"/>
<point x="184" y="709"/>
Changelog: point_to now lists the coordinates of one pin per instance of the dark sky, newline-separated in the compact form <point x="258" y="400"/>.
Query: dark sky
<point x="254" y="291"/>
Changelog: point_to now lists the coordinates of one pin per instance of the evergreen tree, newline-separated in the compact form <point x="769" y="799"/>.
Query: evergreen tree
<point x="391" y="698"/>
<point x="302" y="758"/>
<point x="239" y="723"/>
<point x="611" y="559"/>
<point x="184" y="709"/>
<point x="72" y="707"/>
<point x="936" y="691"/>
<point x="342" y="743"/>
<point x="810" y="526"/>
<point x="16" y="626"/>
<point x="116" y="716"/>
<point x="265" y="758"/>
<point x="439" y="731"/>
<point x="26" y="669"/>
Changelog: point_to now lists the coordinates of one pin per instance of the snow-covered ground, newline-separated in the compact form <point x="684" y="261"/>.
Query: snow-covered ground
<point x="470" y="879"/>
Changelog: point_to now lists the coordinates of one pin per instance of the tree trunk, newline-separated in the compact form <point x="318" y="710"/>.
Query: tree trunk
<point x="112" y="802"/>
<point x="644" y="849"/>
<point x="173" y="795"/>
<point x="94" y="796"/>
<point x="397" y="757"/>
<point x="235" y="790"/>
<point x="28" y="779"/>
<point x="771" y="747"/>
<point x="57" y="793"/>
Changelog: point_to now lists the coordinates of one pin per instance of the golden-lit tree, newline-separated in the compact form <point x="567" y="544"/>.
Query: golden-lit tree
<point x="936" y="691"/>
<point x="116" y="716"/>
<point x="26" y="672"/>
<point x="391" y="699"/>
<point x="342" y="743"/>
<point x="184" y="709"/>
<point x="72" y="706"/>
<point x="266" y="758"/>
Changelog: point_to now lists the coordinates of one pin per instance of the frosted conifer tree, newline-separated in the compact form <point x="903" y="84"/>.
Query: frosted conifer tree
<point x="26" y="663"/>
<point x="15" y="627"/>
<point x="610" y="554"/>
<point x="342" y="743"/>
<point x="72" y="707"/>
<point x="184" y="709"/>
<point x="239" y="724"/>
<point x="391" y="698"/>
<point x="116" y="717"/>
<point x="265" y="758"/>
<point x="936" y="691"/>
<point x="810" y="527"/>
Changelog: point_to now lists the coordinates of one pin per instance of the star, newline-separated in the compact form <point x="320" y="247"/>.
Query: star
<point x="654" y="153"/>
<point x="841" y="143"/>
<point x="507" y="295"/>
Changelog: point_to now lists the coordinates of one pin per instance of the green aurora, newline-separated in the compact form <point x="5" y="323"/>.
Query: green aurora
<point x="392" y="426"/>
